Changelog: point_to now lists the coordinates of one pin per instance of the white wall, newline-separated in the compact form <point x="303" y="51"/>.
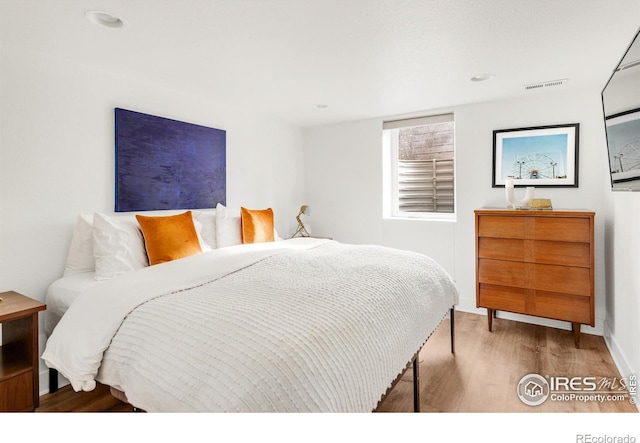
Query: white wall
<point x="57" y="157"/>
<point x="344" y="186"/>
<point x="622" y="328"/>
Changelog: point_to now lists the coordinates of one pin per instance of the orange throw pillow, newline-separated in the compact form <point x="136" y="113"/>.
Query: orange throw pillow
<point x="257" y="225"/>
<point x="170" y="237"/>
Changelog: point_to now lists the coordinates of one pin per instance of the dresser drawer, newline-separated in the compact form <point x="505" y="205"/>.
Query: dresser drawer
<point x="573" y="308"/>
<point x="504" y="273"/>
<point x="548" y="252"/>
<point x="561" y="279"/>
<point x="505" y="298"/>
<point x="502" y="226"/>
<point x="566" y="229"/>
<point x="16" y="393"/>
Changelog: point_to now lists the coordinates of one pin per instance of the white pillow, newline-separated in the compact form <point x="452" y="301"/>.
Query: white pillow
<point x="80" y="256"/>
<point x="118" y="246"/>
<point x="208" y="220"/>
<point x="198" y="226"/>
<point x="227" y="227"/>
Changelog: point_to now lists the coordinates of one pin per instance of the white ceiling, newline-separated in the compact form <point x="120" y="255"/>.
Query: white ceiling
<point x="362" y="58"/>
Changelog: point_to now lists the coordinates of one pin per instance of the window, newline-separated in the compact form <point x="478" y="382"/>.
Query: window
<point x="419" y="169"/>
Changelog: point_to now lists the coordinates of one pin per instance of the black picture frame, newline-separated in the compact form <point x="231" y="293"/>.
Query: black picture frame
<point x="540" y="156"/>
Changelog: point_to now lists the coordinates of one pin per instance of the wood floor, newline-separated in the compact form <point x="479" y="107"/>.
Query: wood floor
<point x="66" y="400"/>
<point x="484" y="373"/>
<point x="482" y="376"/>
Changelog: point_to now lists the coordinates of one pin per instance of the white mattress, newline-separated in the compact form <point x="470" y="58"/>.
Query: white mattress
<point x="62" y="293"/>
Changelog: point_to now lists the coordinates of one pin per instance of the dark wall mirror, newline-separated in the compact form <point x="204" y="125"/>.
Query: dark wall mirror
<point x="621" y="106"/>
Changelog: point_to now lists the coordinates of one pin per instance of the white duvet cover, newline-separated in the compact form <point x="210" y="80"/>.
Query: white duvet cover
<point x="298" y="325"/>
<point x="61" y="294"/>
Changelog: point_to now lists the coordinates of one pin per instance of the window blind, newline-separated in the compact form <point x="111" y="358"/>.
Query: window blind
<point x="426" y="185"/>
<point x="417" y="121"/>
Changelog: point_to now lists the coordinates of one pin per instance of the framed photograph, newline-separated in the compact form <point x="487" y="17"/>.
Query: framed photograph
<point x="623" y="141"/>
<point x="538" y="156"/>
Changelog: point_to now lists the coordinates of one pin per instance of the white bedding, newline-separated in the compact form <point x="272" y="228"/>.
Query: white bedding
<point x="61" y="293"/>
<point x="298" y="325"/>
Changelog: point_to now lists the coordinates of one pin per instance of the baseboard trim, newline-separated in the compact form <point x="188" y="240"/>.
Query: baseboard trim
<point x="618" y="357"/>
<point x="540" y="321"/>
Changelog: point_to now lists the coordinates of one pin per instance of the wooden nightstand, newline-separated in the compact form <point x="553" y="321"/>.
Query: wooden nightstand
<point x="19" y="378"/>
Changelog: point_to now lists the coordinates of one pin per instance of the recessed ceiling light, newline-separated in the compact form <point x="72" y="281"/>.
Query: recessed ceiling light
<point x="482" y="77"/>
<point x="103" y="18"/>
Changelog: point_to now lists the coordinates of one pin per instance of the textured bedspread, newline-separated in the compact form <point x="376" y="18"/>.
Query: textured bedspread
<point x="325" y="327"/>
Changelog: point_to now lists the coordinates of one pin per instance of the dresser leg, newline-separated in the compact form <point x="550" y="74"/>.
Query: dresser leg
<point x="490" y="314"/>
<point x="575" y="327"/>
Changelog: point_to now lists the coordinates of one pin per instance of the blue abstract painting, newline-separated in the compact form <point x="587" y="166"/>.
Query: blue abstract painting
<point x="167" y="164"/>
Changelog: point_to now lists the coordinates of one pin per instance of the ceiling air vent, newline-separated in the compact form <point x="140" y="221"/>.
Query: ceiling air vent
<point x="544" y="85"/>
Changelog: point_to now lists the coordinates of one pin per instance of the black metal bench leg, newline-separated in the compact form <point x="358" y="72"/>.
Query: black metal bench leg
<point x="452" y="329"/>
<point x="53" y="380"/>
<point x="416" y="384"/>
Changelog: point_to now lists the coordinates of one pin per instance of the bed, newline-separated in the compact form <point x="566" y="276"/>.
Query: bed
<point x="298" y="325"/>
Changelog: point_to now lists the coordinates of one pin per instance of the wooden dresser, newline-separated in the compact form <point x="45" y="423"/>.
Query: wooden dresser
<point x="537" y="263"/>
